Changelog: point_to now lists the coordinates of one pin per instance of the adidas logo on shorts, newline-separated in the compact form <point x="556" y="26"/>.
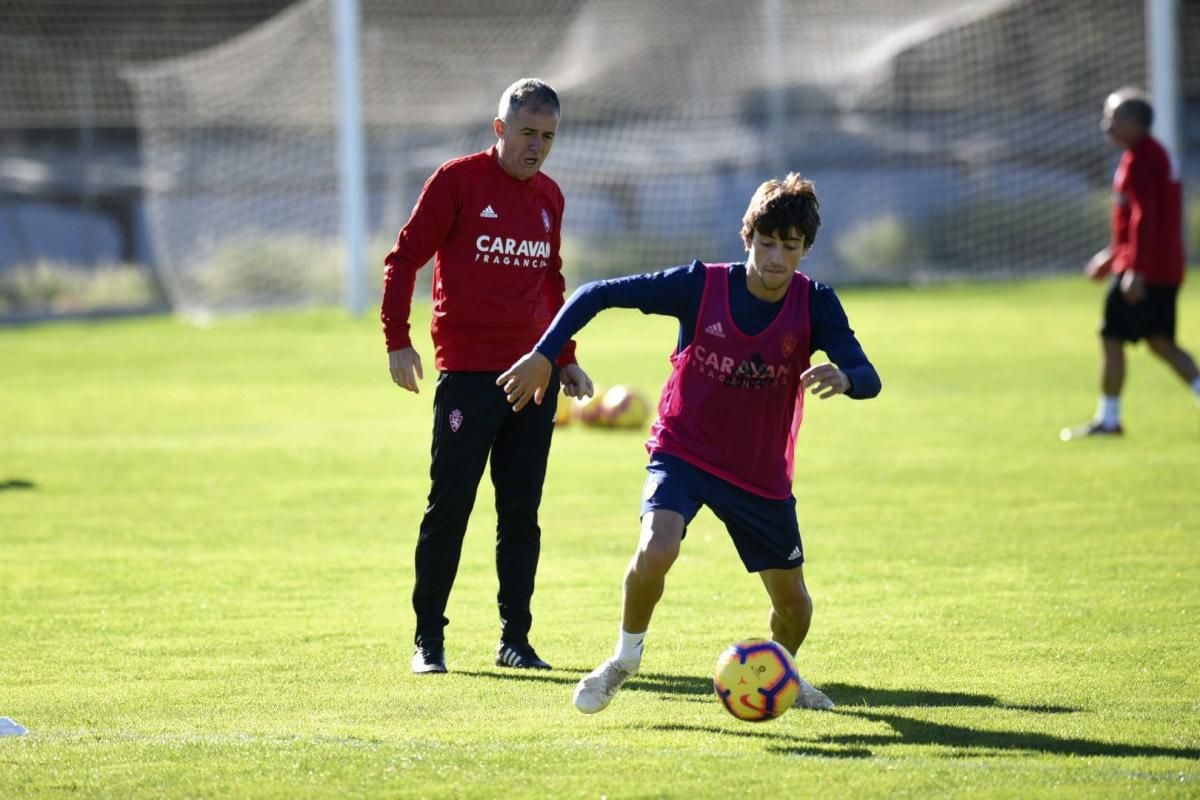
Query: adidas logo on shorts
<point x="796" y="554"/>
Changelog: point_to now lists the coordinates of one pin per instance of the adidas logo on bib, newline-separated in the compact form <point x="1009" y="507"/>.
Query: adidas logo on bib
<point x="716" y="330"/>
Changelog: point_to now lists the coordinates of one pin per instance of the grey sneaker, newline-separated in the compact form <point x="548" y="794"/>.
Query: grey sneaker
<point x="596" y="691"/>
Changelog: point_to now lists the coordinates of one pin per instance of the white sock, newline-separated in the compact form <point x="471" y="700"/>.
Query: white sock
<point x="1109" y="411"/>
<point x="1196" y="387"/>
<point x="629" y="648"/>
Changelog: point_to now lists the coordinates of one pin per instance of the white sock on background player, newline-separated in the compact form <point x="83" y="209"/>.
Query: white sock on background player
<point x="1196" y="389"/>
<point x="1108" y="413"/>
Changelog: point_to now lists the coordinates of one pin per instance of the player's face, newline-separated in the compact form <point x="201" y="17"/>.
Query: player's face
<point x="525" y="141"/>
<point x="773" y="260"/>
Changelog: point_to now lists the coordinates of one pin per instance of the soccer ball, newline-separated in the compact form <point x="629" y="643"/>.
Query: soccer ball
<point x="624" y="407"/>
<point x="587" y="409"/>
<point x="562" y="412"/>
<point x="756" y="680"/>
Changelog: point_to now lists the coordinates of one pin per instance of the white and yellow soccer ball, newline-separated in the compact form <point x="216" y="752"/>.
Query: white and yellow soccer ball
<point x="756" y="680"/>
<point x="562" y="412"/>
<point x="588" y="409"/>
<point x="624" y="407"/>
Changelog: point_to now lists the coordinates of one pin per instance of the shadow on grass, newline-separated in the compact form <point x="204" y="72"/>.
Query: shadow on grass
<point x="850" y="695"/>
<point x="16" y="483"/>
<point x="911" y="731"/>
<point x="533" y="675"/>
<point x="861" y="701"/>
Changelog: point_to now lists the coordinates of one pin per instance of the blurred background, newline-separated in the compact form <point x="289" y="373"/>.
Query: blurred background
<point x="183" y="154"/>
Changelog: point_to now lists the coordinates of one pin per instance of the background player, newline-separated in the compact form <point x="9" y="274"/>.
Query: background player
<point x="1145" y="259"/>
<point x="493" y="222"/>
<point x="728" y="415"/>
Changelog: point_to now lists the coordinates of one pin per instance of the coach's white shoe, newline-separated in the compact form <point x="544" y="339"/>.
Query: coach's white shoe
<point x="813" y="698"/>
<point x="596" y="690"/>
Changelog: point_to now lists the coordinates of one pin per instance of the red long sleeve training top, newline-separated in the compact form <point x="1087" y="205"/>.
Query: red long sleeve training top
<point x="1147" y="219"/>
<point x="497" y="275"/>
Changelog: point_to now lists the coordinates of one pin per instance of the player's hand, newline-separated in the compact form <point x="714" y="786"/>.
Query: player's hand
<point x="825" y="380"/>
<point x="526" y="380"/>
<point x="575" y="382"/>
<point x="1133" y="287"/>
<point x="405" y="366"/>
<point x="1099" y="266"/>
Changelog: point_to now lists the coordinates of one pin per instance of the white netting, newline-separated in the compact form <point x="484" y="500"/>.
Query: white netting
<point x="944" y="136"/>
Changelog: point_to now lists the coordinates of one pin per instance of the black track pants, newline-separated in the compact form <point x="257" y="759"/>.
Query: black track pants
<point x="472" y="420"/>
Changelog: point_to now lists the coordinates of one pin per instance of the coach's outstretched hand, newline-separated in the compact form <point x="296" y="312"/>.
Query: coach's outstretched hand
<point x="575" y="382"/>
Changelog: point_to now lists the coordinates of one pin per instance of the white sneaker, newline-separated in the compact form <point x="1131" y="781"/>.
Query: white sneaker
<point x="596" y="690"/>
<point x="813" y="698"/>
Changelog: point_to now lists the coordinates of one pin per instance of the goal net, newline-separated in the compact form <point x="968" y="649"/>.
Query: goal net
<point x="945" y="137"/>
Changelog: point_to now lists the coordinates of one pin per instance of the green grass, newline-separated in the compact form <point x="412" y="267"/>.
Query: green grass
<point x="206" y="544"/>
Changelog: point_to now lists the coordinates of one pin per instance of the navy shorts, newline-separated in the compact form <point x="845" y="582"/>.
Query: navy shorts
<point x="1153" y="316"/>
<point x="764" y="531"/>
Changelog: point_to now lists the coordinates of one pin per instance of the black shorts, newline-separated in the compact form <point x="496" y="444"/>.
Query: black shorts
<point x="1153" y="316"/>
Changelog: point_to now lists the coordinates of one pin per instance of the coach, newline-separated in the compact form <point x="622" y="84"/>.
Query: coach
<point x="492" y="221"/>
<point x="1145" y="259"/>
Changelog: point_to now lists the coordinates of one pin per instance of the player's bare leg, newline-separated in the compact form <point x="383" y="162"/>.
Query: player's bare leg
<point x="645" y="579"/>
<point x="1178" y="359"/>
<point x="646" y="575"/>
<point x="1112" y="366"/>
<point x="1107" y="421"/>
<point x="791" y="616"/>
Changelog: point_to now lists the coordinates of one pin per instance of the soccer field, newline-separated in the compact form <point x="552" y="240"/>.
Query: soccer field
<point x="206" y="540"/>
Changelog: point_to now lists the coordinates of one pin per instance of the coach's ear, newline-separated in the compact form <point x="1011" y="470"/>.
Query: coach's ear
<point x="498" y="126"/>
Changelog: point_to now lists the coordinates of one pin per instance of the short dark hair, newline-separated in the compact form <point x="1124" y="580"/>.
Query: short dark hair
<point x="533" y="92"/>
<point x="779" y="206"/>
<point x="1134" y="104"/>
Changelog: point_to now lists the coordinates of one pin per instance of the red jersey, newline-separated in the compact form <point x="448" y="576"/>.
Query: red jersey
<point x="497" y="274"/>
<point x="1147" y="218"/>
<point x="733" y="403"/>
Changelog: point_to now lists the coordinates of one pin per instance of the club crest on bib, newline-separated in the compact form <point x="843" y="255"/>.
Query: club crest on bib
<point x="788" y="345"/>
<point x="456" y="420"/>
<point x="546" y="220"/>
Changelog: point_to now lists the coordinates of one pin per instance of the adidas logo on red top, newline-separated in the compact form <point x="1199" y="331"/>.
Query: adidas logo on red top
<point x="716" y="330"/>
<point x="489" y="213"/>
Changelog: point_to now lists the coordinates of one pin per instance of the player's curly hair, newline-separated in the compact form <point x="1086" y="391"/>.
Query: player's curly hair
<point x="781" y="205"/>
<point x="532" y="92"/>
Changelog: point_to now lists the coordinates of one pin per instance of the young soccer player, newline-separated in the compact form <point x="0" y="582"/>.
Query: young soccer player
<point x="1145" y="259"/>
<point x="728" y="415"/>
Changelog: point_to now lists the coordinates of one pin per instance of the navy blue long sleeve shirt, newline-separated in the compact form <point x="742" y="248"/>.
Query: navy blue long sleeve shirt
<point x="677" y="292"/>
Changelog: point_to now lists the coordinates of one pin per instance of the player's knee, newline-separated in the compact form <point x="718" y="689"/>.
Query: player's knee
<point x="655" y="555"/>
<point x="1161" y="346"/>
<point x="794" y="603"/>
